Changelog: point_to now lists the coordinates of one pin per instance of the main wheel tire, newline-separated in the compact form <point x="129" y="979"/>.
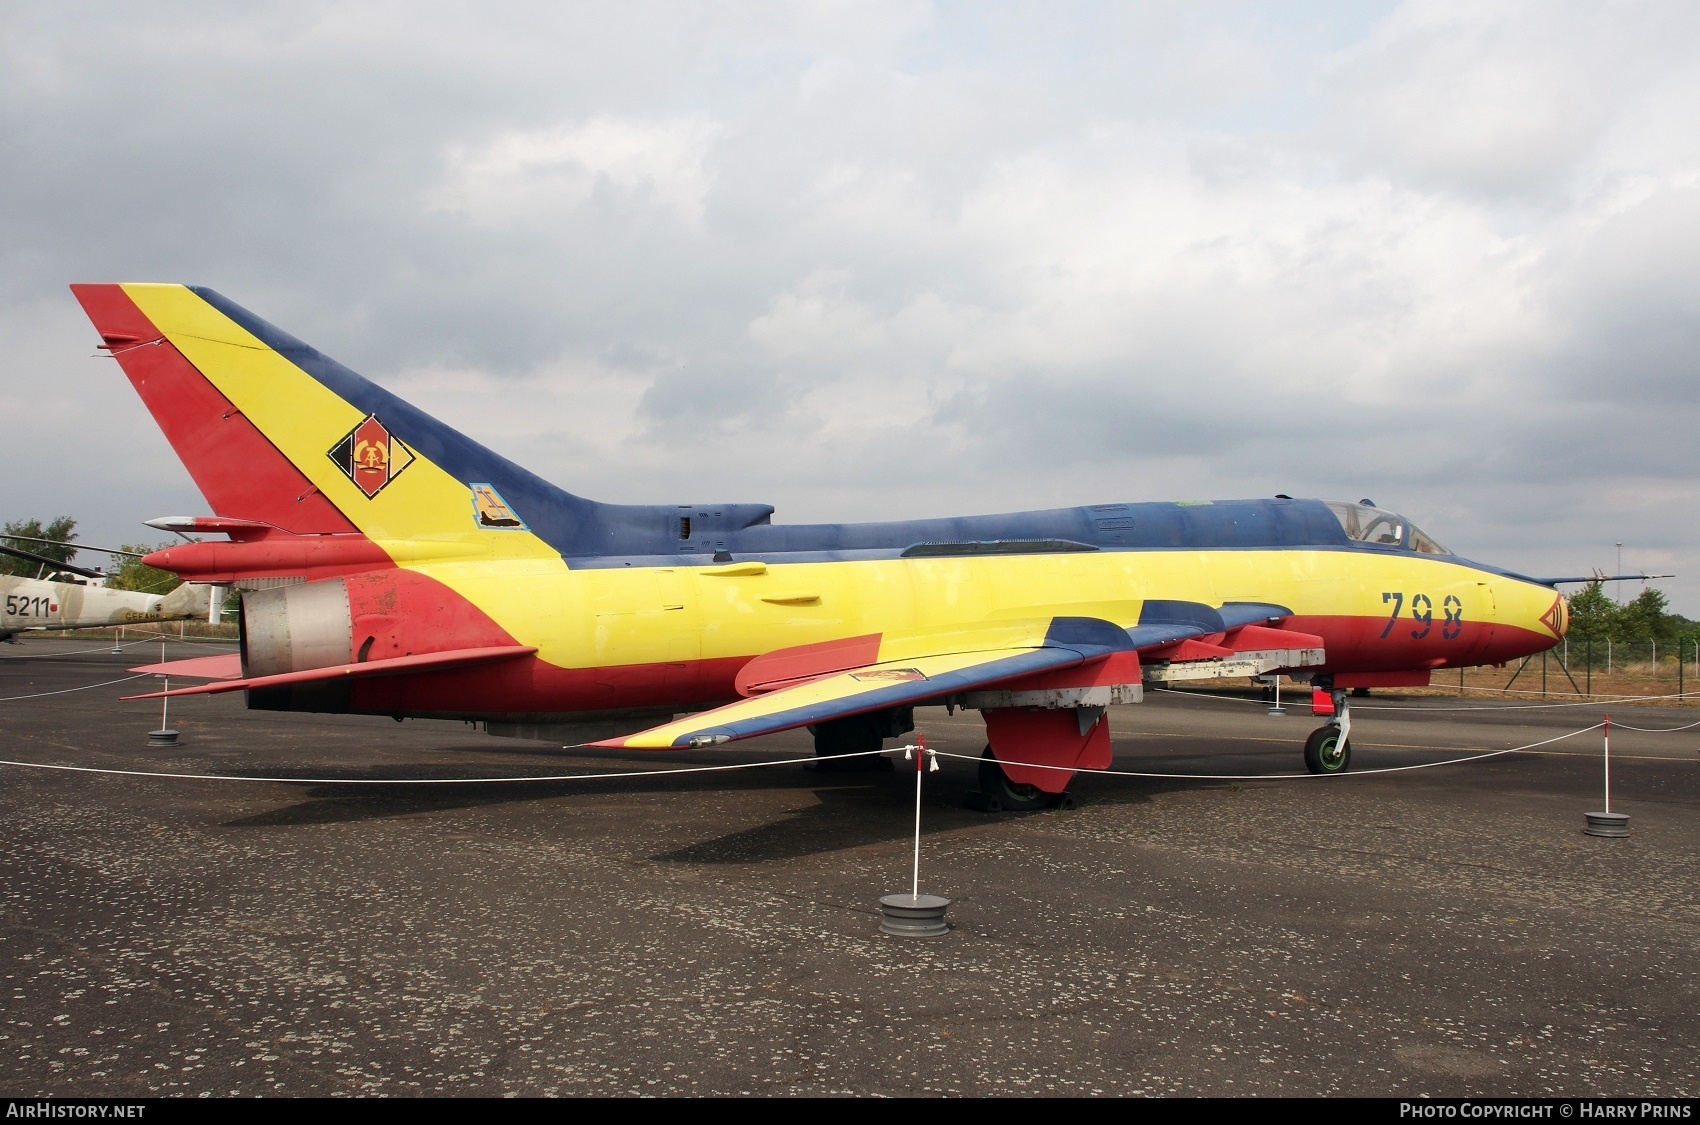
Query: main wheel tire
<point x="857" y="735"/>
<point x="1325" y="753"/>
<point x="1013" y="797"/>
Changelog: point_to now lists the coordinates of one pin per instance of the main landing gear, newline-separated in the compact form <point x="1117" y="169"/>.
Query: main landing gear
<point x="997" y="793"/>
<point x="858" y="735"/>
<point x="1329" y="747"/>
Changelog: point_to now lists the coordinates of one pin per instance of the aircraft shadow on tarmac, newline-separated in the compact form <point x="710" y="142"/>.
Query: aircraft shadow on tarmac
<point x="848" y="811"/>
<point x="842" y="819"/>
<point x="326" y="802"/>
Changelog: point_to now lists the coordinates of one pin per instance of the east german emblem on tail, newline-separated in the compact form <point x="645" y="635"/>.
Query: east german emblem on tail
<point x="371" y="456"/>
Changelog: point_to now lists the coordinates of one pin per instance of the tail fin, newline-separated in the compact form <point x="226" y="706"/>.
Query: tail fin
<point x="272" y="430"/>
<point x="191" y="599"/>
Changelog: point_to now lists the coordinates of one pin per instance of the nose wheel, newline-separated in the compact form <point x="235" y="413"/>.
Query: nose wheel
<point x="1329" y="747"/>
<point x="1326" y="751"/>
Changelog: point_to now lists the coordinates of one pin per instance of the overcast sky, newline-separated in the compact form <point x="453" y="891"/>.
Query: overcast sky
<point x="876" y="260"/>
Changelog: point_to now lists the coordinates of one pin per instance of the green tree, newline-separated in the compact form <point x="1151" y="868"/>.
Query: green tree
<point x="1592" y="614"/>
<point x="129" y="572"/>
<point x="1646" y="618"/>
<point x="64" y="529"/>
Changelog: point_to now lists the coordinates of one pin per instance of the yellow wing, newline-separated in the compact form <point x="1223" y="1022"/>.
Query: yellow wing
<point x="913" y="670"/>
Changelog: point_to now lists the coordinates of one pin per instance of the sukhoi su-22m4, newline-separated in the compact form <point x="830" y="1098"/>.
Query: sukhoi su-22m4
<point x="437" y="579"/>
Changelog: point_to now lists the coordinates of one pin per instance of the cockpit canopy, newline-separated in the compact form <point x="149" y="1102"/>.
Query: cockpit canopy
<point x="1365" y="523"/>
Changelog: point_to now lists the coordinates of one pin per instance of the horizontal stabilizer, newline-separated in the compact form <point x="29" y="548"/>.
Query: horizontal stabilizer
<point x="397" y="666"/>
<point x="224" y="666"/>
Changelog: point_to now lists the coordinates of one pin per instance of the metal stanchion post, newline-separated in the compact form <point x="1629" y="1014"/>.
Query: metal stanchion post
<point x="1606" y="822"/>
<point x="164" y="736"/>
<point x="916" y="914"/>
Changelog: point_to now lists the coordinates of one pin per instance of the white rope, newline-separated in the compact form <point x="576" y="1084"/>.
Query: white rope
<point x="63" y="691"/>
<point x="1283" y="776"/>
<point x="1656" y="730"/>
<point x="442" y="780"/>
<point x="178" y="638"/>
<point x="1603" y="702"/>
<point x="1597" y="702"/>
<point x="79" y="651"/>
<point x="782" y="762"/>
<point x="1573" y="694"/>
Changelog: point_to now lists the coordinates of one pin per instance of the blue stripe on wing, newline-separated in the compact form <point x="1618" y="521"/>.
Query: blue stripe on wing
<point x="901" y="694"/>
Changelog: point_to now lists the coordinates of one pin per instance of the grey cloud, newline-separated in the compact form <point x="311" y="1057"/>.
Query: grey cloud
<point x="1506" y="99"/>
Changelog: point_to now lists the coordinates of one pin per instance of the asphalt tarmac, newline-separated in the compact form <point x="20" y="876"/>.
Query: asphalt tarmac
<point x="1442" y="931"/>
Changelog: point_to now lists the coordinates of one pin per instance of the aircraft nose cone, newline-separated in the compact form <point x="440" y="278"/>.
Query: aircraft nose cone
<point x="1557" y="618"/>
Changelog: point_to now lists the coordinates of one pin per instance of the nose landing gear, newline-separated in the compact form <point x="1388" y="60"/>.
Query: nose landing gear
<point x="1329" y="749"/>
<point x="1326" y="751"/>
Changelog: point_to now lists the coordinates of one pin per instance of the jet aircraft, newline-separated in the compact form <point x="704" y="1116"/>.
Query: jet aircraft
<point x="433" y="578"/>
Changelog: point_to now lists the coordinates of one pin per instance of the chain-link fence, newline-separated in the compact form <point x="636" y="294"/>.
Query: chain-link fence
<point x="1588" y="666"/>
<point x="1631" y="657"/>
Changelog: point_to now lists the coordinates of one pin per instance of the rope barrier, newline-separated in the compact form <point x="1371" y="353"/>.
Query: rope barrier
<point x="64" y="691"/>
<point x="179" y="638"/>
<point x="1285" y="776"/>
<point x="800" y="761"/>
<point x="1571" y="694"/>
<point x="84" y="651"/>
<point x="1656" y="730"/>
<point x="443" y="780"/>
<point x="1614" y="701"/>
<point x="782" y="762"/>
